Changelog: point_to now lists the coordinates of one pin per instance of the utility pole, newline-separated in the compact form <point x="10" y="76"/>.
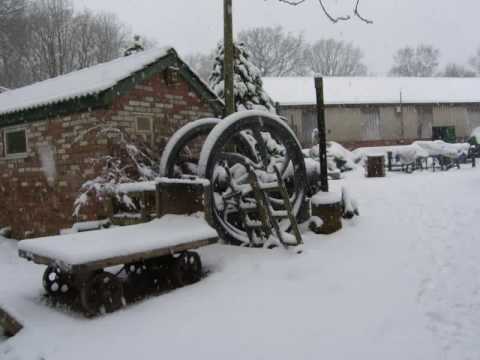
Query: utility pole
<point x="228" y="57"/>
<point x="322" y="136"/>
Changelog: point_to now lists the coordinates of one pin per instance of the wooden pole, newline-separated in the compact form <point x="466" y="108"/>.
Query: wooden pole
<point x="322" y="136"/>
<point x="228" y="67"/>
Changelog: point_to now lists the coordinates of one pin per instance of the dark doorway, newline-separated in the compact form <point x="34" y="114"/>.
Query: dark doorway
<point x="445" y="133"/>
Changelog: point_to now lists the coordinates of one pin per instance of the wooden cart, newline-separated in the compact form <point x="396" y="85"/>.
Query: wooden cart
<point x="100" y="271"/>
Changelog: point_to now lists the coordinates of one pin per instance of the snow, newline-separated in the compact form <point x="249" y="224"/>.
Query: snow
<point x="228" y="122"/>
<point x="476" y="135"/>
<point x="402" y="281"/>
<point x="85" y="82"/>
<point x="80" y="248"/>
<point x="326" y="198"/>
<point x="406" y="154"/>
<point x="373" y="90"/>
<point x="193" y="181"/>
<point x="86" y="226"/>
<point x="141" y="186"/>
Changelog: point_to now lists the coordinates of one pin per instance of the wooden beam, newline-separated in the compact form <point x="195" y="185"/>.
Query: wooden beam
<point x="10" y="325"/>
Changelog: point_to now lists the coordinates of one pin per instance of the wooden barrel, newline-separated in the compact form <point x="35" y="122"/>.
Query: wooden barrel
<point x="375" y="166"/>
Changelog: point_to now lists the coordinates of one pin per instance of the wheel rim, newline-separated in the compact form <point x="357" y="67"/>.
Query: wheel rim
<point x="181" y="139"/>
<point x="56" y="282"/>
<point x="102" y="293"/>
<point x="273" y="143"/>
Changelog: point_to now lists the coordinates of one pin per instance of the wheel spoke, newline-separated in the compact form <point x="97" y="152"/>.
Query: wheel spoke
<point x="262" y="147"/>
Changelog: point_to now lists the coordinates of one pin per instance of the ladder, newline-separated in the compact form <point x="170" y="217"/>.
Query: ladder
<point x="267" y="217"/>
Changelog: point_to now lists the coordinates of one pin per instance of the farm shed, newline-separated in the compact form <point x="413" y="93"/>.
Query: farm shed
<point x="45" y="144"/>
<point x="369" y="111"/>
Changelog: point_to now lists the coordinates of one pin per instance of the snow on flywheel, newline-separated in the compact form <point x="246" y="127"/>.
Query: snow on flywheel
<point x="171" y="163"/>
<point x="250" y="140"/>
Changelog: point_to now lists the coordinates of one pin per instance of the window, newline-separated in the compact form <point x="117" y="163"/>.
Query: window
<point x="144" y="124"/>
<point x="15" y="141"/>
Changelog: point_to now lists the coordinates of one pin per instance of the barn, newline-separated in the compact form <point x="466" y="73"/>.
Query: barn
<point x="44" y="158"/>
<point x="370" y="111"/>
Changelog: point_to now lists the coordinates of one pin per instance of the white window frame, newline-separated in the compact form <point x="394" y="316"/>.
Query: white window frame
<point x="5" y="147"/>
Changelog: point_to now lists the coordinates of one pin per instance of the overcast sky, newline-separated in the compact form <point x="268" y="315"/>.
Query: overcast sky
<point x="196" y="25"/>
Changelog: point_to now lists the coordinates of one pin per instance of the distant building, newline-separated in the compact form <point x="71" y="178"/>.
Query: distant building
<point x="368" y="111"/>
<point x="43" y="164"/>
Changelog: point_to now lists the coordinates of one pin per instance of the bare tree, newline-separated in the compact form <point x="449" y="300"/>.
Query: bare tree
<point x="111" y="36"/>
<point x="13" y="41"/>
<point x="331" y="57"/>
<point x="47" y="38"/>
<point x="201" y="63"/>
<point x="456" y="70"/>
<point x="275" y="52"/>
<point x="421" y="61"/>
<point x="475" y="62"/>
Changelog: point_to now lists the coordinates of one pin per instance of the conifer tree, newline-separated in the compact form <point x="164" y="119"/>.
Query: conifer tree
<point x="135" y="46"/>
<point x="248" y="85"/>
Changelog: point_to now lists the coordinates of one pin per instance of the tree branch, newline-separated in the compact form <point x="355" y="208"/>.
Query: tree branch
<point x="328" y="15"/>
<point x="357" y="14"/>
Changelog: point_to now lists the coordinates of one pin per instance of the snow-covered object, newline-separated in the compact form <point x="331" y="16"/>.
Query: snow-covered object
<point x="350" y="204"/>
<point x="79" y="248"/>
<point x="248" y="85"/>
<point x="373" y="90"/>
<point x="407" y="154"/>
<point x="133" y="187"/>
<point x="86" y="226"/>
<point x="439" y="147"/>
<point x="178" y="136"/>
<point x="185" y="181"/>
<point x="85" y="82"/>
<point x="227" y="122"/>
<point x="338" y="157"/>
<point x="326" y="198"/>
<point x="3" y="89"/>
<point x="475" y="136"/>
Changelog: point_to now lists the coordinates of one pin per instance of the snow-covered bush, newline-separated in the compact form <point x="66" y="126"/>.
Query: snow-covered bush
<point x="248" y="85"/>
<point x="131" y="160"/>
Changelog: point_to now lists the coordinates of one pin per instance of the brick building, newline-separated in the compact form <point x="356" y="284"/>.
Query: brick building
<point x="371" y="111"/>
<point x="44" y="130"/>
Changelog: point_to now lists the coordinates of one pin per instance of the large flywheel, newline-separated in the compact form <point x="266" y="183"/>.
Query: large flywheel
<point x="244" y="142"/>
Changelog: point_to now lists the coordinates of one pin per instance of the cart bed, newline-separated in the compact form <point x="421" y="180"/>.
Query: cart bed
<point x="93" y="250"/>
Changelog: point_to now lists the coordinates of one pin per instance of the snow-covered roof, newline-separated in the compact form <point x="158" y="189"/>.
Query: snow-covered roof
<point x="373" y="90"/>
<point x="77" y="84"/>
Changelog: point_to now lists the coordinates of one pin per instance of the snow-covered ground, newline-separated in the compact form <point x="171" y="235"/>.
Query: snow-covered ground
<point x="400" y="282"/>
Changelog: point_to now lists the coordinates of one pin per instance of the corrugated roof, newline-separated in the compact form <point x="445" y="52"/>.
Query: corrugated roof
<point x="374" y="90"/>
<point x="77" y="84"/>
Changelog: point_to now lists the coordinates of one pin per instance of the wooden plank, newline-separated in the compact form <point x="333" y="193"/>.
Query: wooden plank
<point x="118" y="260"/>
<point x="10" y="325"/>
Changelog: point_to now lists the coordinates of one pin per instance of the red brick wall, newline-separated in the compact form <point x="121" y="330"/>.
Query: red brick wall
<point x="33" y="206"/>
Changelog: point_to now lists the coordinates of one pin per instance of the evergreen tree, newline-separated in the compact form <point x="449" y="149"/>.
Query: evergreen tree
<point x="248" y="85"/>
<point x="135" y="47"/>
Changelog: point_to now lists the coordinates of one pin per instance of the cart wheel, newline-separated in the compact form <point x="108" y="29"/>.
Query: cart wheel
<point x="56" y="282"/>
<point x="136" y="269"/>
<point x="187" y="268"/>
<point x="101" y="293"/>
